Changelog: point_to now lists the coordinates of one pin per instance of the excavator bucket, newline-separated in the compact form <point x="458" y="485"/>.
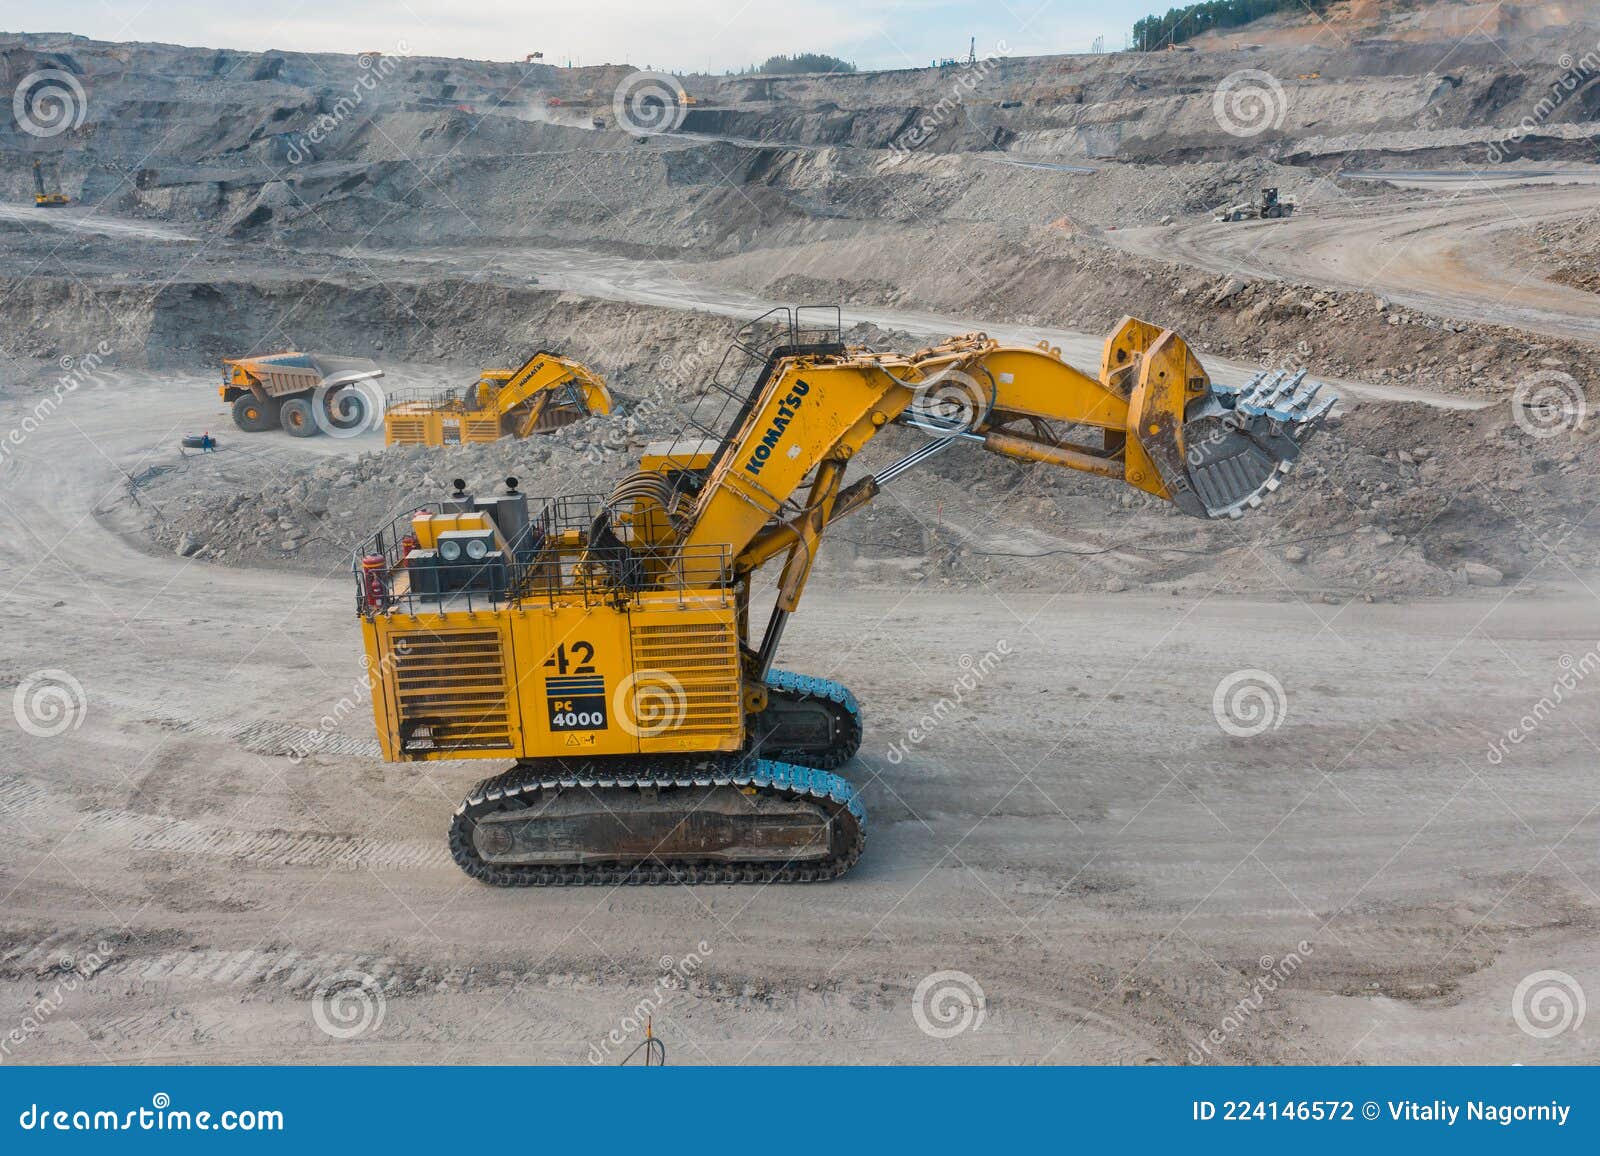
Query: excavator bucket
<point x="1219" y="450"/>
<point x="1240" y="442"/>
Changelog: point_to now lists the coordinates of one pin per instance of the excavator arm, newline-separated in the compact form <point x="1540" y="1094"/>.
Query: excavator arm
<point x="1153" y="417"/>
<point x="545" y="377"/>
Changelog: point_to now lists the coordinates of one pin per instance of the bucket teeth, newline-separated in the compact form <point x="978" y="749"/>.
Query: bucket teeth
<point x="1242" y="440"/>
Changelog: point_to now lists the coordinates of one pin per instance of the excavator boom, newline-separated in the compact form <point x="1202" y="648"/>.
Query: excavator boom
<point x="604" y="642"/>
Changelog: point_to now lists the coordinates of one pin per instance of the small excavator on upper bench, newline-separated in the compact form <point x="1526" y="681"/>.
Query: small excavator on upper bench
<point x="47" y="192"/>
<point x="603" y="642"/>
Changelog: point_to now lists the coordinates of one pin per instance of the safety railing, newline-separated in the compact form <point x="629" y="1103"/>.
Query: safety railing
<point x="414" y="400"/>
<point x="555" y="561"/>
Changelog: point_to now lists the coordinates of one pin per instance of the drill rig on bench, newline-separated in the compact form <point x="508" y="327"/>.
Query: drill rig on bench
<point x="604" y="642"/>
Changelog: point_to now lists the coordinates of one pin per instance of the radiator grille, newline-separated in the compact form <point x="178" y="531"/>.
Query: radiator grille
<point x="450" y="691"/>
<point x="406" y="431"/>
<point x="687" y="677"/>
<point x="480" y="429"/>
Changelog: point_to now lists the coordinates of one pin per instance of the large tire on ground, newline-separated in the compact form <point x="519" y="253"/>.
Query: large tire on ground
<point x="297" y="418"/>
<point x="253" y="415"/>
<point x="347" y="409"/>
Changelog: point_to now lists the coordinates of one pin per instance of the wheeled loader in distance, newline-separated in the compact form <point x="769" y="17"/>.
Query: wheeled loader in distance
<point x="1267" y="207"/>
<point x="305" y="393"/>
<point x="604" y="641"/>
<point x="548" y="392"/>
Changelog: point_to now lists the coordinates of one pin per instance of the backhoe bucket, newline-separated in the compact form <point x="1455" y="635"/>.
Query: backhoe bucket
<point x="1240" y="442"/>
<point x="1219" y="450"/>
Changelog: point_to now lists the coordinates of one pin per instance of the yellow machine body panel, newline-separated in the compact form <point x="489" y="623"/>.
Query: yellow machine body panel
<point x="659" y="674"/>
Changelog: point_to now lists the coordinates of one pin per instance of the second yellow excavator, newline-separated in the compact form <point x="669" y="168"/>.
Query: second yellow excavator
<point x="549" y="391"/>
<point x="604" y="642"/>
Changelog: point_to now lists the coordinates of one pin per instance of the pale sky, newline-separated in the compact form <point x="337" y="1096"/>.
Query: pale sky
<point x="672" y="35"/>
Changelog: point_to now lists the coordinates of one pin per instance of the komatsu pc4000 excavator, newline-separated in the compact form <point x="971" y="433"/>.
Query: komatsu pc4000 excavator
<point x="603" y="642"/>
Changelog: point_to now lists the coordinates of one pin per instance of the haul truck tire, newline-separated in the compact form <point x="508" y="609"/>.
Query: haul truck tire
<point x="347" y="409"/>
<point x="253" y="415"/>
<point x="298" y="419"/>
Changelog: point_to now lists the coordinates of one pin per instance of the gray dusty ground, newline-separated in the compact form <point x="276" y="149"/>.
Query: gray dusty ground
<point x="1080" y="837"/>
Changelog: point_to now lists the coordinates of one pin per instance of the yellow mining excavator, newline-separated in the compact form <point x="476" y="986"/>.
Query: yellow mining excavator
<point x="604" y="642"/>
<point x="47" y="192"/>
<point x="548" y="392"/>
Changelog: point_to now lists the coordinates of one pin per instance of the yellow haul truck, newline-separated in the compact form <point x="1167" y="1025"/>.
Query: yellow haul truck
<point x="305" y="393"/>
<point x="549" y="391"/>
<point x="604" y="642"/>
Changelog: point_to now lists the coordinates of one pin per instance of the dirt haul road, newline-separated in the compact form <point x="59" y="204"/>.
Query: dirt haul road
<point x="679" y="285"/>
<point x="1074" y="830"/>
<point x="1455" y="254"/>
